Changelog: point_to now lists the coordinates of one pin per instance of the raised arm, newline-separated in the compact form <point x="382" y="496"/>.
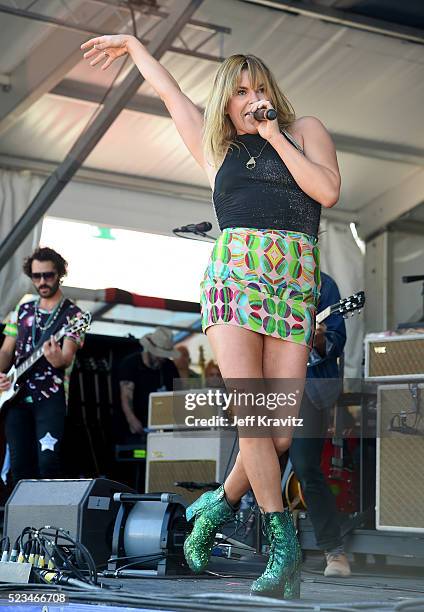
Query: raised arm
<point x="186" y="116"/>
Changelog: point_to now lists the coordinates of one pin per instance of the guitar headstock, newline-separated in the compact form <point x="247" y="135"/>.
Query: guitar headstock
<point x="348" y="306"/>
<point x="80" y="323"/>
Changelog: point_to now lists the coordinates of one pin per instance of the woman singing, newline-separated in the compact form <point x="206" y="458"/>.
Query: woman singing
<point x="260" y="290"/>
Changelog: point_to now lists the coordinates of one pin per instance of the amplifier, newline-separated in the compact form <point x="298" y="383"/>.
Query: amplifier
<point x="394" y="358"/>
<point x="201" y="456"/>
<point x="400" y="458"/>
<point x="167" y="410"/>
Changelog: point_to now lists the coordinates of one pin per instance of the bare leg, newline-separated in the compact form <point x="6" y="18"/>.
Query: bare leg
<point x="240" y="356"/>
<point x="237" y="482"/>
<point x="237" y="352"/>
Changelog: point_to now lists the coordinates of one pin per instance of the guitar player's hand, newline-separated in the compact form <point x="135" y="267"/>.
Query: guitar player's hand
<point x="4" y="382"/>
<point x="136" y="427"/>
<point x="319" y="338"/>
<point x="53" y="353"/>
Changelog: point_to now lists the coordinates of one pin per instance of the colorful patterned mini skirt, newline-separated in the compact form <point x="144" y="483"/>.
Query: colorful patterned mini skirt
<point x="266" y="281"/>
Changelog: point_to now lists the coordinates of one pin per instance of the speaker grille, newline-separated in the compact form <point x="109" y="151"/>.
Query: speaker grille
<point x="161" y="409"/>
<point x="400" y="494"/>
<point x="163" y="474"/>
<point x="396" y="357"/>
<point x="167" y="410"/>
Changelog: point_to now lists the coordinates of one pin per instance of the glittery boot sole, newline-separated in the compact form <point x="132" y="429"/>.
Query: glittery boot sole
<point x="281" y="578"/>
<point x="210" y="511"/>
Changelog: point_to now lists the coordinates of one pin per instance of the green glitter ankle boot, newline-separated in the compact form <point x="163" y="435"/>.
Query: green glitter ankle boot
<point x="281" y="577"/>
<point x="210" y="511"/>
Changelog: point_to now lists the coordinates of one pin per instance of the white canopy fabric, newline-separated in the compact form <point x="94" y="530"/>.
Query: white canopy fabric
<point x="17" y="189"/>
<point x="343" y="260"/>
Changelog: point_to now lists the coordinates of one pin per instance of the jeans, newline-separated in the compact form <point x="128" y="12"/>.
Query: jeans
<point x="33" y="452"/>
<point x="305" y="455"/>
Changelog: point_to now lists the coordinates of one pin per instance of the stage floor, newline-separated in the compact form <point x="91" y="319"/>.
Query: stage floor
<point x="381" y="588"/>
<point x="369" y="588"/>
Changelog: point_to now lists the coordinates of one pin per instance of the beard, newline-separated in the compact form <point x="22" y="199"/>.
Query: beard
<point x="52" y="289"/>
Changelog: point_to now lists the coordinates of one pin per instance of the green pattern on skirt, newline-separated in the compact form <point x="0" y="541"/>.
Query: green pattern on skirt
<point x="266" y="281"/>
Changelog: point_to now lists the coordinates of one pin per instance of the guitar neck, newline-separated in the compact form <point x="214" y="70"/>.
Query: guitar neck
<point x="35" y="356"/>
<point x="323" y="315"/>
<point x="349" y="305"/>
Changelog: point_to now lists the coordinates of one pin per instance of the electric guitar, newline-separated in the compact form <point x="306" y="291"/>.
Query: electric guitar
<point x="339" y="472"/>
<point x="346" y="307"/>
<point x="78" y="323"/>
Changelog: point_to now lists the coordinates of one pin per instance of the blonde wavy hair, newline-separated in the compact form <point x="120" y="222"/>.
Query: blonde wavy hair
<point x="219" y="132"/>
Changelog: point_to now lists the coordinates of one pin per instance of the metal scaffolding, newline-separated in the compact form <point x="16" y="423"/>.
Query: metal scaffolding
<point x="179" y="14"/>
<point x="75" y="22"/>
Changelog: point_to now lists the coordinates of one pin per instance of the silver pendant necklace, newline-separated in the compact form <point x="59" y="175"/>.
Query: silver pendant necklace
<point x="51" y="319"/>
<point x="251" y="162"/>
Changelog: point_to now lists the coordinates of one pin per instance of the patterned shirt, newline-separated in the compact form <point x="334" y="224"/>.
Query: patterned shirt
<point x="42" y="380"/>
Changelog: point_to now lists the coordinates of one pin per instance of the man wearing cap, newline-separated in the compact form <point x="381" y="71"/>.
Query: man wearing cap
<point x="145" y="372"/>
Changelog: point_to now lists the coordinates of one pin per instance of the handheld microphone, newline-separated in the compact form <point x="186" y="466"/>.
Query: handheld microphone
<point x="202" y="227"/>
<point x="264" y="114"/>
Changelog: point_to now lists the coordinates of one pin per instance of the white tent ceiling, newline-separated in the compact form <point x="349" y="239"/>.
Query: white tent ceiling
<point x="367" y="88"/>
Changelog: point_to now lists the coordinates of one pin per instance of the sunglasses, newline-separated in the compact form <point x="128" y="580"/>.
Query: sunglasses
<point x="45" y="275"/>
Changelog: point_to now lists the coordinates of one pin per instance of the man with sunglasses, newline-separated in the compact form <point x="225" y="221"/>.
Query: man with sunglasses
<point x="35" y="418"/>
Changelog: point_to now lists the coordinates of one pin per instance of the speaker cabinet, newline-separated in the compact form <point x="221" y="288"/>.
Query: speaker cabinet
<point x="400" y="458"/>
<point x="84" y="508"/>
<point x="190" y="456"/>
<point x="394" y="358"/>
<point x="167" y="412"/>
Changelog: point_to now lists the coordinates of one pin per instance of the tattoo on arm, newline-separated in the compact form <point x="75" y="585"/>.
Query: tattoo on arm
<point x="127" y="394"/>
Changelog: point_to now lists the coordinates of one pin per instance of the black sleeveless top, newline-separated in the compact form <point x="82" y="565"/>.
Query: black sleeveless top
<point x="266" y="197"/>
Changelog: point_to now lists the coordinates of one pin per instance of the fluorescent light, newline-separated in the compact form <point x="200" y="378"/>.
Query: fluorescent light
<point x="359" y="242"/>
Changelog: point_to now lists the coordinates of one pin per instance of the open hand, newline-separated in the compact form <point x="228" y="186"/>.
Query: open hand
<point x="107" y="48"/>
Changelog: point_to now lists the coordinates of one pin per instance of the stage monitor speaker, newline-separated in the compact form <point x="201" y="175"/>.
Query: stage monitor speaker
<point x="400" y="458"/>
<point x="84" y="508"/>
<point x="190" y="456"/>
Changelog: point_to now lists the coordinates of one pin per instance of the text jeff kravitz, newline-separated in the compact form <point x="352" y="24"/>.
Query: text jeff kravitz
<point x="247" y="421"/>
